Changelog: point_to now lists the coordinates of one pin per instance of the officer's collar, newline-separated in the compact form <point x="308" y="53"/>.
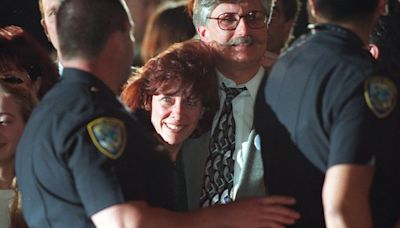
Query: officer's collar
<point x="337" y="29"/>
<point x="94" y="83"/>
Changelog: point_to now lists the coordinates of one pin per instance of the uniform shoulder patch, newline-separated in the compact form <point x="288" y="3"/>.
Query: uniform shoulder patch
<point x="380" y="94"/>
<point x="108" y="135"/>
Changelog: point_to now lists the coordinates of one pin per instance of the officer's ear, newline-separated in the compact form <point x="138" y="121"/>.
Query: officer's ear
<point x="44" y="25"/>
<point x="374" y="50"/>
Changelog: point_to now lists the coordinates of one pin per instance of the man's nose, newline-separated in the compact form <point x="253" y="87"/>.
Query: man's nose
<point x="242" y="28"/>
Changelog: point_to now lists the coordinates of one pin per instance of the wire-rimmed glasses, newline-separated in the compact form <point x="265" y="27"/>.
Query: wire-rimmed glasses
<point x="229" y="21"/>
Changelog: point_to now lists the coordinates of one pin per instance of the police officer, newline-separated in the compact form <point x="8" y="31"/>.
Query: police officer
<point x="326" y="121"/>
<point x="83" y="156"/>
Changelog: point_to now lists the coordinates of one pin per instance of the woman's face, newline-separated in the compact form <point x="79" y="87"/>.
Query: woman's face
<point x="175" y="117"/>
<point x="11" y="127"/>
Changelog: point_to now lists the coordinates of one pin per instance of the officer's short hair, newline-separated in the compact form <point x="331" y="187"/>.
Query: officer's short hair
<point x="344" y="10"/>
<point x="203" y="9"/>
<point x="84" y="26"/>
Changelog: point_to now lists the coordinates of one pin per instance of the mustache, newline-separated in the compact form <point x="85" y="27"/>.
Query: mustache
<point x="247" y="40"/>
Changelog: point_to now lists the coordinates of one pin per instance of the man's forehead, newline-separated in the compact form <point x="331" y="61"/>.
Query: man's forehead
<point x="226" y="6"/>
<point x="51" y="4"/>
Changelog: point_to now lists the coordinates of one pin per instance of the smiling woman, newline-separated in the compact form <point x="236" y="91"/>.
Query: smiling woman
<point x="16" y="104"/>
<point x="176" y="94"/>
<point x="178" y="91"/>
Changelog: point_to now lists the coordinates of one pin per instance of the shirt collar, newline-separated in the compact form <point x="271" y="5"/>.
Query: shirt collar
<point x="252" y="85"/>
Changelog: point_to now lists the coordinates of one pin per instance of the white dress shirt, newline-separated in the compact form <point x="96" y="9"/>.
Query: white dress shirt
<point x="243" y="112"/>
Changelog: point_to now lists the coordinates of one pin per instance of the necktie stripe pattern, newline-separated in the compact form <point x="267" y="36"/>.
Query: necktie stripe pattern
<point x="218" y="178"/>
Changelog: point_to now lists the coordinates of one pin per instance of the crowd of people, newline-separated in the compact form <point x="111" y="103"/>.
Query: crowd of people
<point x="221" y="120"/>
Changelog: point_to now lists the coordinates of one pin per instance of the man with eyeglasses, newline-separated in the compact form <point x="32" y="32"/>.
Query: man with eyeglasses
<point x="224" y="165"/>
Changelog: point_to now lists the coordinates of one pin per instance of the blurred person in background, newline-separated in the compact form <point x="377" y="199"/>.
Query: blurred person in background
<point x="48" y="12"/>
<point x="280" y="27"/>
<point x="16" y="105"/>
<point x="141" y="11"/>
<point x="23" y="60"/>
<point x="169" y="24"/>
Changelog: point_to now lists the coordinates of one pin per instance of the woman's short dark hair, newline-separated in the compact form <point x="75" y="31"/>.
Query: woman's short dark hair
<point x="186" y="68"/>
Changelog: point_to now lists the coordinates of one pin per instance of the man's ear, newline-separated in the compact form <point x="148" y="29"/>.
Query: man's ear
<point x="43" y="23"/>
<point x="203" y="33"/>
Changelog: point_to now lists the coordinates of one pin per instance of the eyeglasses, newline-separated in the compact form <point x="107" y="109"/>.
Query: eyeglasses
<point x="229" y="21"/>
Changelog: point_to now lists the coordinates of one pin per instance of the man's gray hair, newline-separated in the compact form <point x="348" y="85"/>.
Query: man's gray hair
<point x="203" y="8"/>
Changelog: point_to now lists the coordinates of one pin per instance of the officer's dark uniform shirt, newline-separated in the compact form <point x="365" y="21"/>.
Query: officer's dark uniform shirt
<point x="322" y="106"/>
<point x="82" y="152"/>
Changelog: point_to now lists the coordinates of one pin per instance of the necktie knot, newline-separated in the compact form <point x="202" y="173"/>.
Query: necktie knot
<point x="231" y="93"/>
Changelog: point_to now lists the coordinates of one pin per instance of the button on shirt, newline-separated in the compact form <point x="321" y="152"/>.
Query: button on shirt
<point x="243" y="112"/>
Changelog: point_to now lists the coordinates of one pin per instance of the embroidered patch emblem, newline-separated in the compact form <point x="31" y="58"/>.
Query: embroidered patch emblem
<point x="108" y="135"/>
<point x="381" y="96"/>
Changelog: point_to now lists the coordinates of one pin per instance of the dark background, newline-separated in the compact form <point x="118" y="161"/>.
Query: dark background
<point x="24" y="13"/>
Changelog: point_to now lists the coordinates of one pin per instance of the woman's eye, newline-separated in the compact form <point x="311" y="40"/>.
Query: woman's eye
<point x="167" y="100"/>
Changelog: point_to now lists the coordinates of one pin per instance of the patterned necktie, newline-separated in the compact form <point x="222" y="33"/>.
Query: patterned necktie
<point x="218" y="175"/>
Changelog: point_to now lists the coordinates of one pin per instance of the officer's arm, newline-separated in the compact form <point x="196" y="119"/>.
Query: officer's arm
<point x="134" y="214"/>
<point x="255" y="212"/>
<point x="345" y="196"/>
